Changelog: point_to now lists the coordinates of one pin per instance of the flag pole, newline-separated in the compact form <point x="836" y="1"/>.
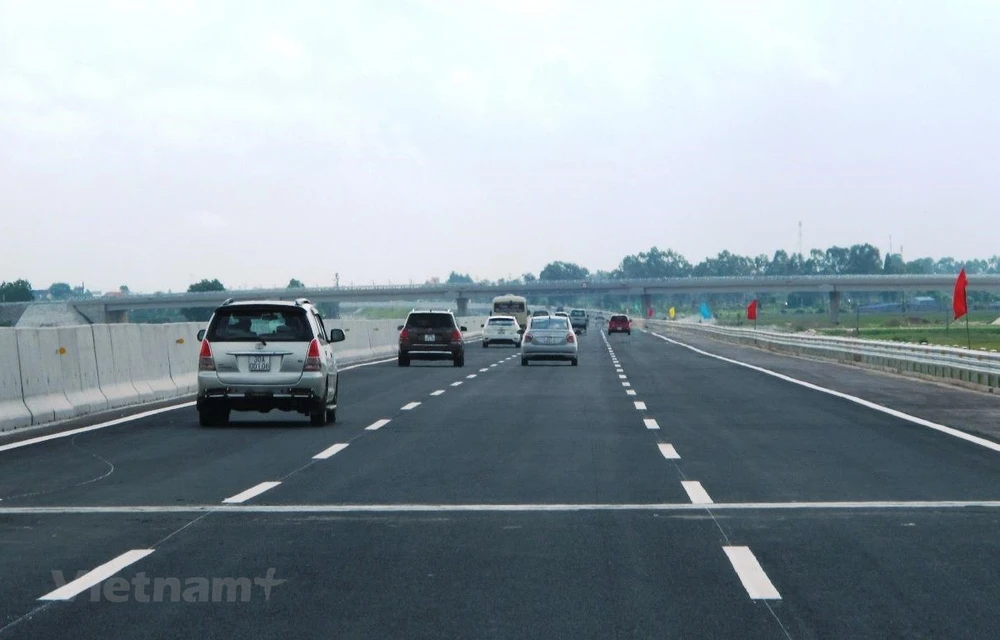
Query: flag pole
<point x="968" y="333"/>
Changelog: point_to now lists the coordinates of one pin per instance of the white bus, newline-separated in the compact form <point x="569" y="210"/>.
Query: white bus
<point x="511" y="305"/>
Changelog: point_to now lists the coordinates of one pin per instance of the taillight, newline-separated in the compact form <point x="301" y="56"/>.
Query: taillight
<point x="570" y="338"/>
<point x="404" y="335"/>
<point x="205" y="360"/>
<point x="527" y="337"/>
<point x="456" y="336"/>
<point x="312" y="357"/>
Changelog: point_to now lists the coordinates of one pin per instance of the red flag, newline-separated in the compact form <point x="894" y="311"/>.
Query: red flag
<point x="649" y="312"/>
<point x="752" y="311"/>
<point x="959" y="302"/>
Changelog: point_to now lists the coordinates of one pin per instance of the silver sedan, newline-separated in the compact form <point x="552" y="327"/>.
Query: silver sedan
<point x="549" y="338"/>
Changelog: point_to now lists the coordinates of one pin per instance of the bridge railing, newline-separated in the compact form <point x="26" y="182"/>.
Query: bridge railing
<point x="979" y="369"/>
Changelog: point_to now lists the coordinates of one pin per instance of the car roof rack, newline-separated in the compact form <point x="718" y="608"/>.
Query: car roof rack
<point x="302" y="301"/>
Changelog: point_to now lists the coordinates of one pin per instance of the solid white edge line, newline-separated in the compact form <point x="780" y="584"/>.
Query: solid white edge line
<point x="365" y="364"/>
<point x="438" y="392"/>
<point x="968" y="437"/>
<point x="97" y="575"/>
<point x="378" y="424"/>
<point x="252" y="492"/>
<point x="409" y="406"/>
<point x="668" y="451"/>
<point x="93" y="427"/>
<point x="639" y="405"/>
<point x="696" y="492"/>
<point x="556" y="507"/>
<point x="651" y="423"/>
<point x="330" y="451"/>
<point x="751" y="574"/>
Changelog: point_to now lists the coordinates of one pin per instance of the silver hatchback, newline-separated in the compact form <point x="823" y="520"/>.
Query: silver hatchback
<point x="264" y="355"/>
<point x="549" y="338"/>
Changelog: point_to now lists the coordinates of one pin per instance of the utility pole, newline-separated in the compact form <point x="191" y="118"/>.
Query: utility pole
<point x="800" y="237"/>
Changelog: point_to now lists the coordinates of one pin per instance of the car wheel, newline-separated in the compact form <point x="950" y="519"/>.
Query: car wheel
<point x="317" y="417"/>
<point x="575" y="362"/>
<point x="460" y="361"/>
<point x="485" y="344"/>
<point x="213" y="417"/>
<point x="629" y="332"/>
<point x="331" y="416"/>
<point x="403" y="361"/>
<point x="524" y="362"/>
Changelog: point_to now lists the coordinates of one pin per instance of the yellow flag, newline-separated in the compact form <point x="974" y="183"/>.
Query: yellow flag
<point x="673" y="312"/>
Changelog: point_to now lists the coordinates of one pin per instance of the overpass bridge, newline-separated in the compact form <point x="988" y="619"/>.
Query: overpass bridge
<point x="116" y="309"/>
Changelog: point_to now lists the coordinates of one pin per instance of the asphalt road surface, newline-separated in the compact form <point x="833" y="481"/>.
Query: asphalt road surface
<point x="651" y="492"/>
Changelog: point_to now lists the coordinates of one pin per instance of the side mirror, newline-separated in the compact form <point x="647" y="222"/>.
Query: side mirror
<point x="462" y="329"/>
<point x="521" y="330"/>
<point x="337" y="335"/>
<point x="201" y="335"/>
<point x="399" y="328"/>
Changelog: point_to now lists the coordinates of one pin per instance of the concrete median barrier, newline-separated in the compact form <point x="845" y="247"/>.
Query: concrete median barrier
<point x="39" y="355"/>
<point x="127" y="347"/>
<point x="155" y="350"/>
<point x="13" y="412"/>
<point x="182" y="354"/>
<point x="78" y="363"/>
<point x="112" y="371"/>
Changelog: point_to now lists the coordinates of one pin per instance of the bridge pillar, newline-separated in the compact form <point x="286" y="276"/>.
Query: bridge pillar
<point x="117" y="317"/>
<point x="333" y="310"/>
<point x="463" y="306"/>
<point x="835" y="307"/>
<point x="646" y="300"/>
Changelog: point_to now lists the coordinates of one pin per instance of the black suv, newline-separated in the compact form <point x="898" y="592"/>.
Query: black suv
<point x="431" y="335"/>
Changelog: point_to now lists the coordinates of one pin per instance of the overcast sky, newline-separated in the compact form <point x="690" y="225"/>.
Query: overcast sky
<point x="157" y="143"/>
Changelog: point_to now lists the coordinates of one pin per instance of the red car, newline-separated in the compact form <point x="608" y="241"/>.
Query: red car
<point x="619" y="324"/>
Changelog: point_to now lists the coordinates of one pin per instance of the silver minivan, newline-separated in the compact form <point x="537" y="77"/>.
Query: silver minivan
<point x="262" y="355"/>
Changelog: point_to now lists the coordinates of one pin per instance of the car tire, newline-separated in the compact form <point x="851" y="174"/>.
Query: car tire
<point x="213" y="417"/>
<point x="460" y="361"/>
<point x="575" y="362"/>
<point x="524" y="362"/>
<point x="331" y="416"/>
<point x="629" y="332"/>
<point x="403" y="361"/>
<point x="486" y="343"/>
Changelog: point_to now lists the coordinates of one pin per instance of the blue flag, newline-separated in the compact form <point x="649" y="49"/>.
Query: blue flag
<point x="706" y="313"/>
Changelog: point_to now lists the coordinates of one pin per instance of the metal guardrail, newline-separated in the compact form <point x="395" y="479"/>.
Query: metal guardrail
<point x="974" y="368"/>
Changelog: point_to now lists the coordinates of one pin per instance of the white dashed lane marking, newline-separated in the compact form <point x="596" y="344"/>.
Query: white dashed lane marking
<point x="640" y="405"/>
<point x="375" y="426"/>
<point x="668" y="451"/>
<point x="97" y="576"/>
<point x="471" y="376"/>
<point x="438" y="392"/>
<point x="651" y="423"/>
<point x="252" y="492"/>
<point x="409" y="407"/>
<point x="751" y="574"/>
<point x="327" y="453"/>
<point x="696" y="492"/>
<point x="456" y="384"/>
<point x="630" y="392"/>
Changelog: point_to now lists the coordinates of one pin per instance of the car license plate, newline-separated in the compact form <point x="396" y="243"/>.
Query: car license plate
<point x="430" y="337"/>
<point x="260" y="363"/>
<point x="501" y="331"/>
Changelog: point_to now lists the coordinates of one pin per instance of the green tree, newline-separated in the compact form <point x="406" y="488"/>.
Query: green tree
<point x="206" y="285"/>
<point x="529" y="277"/>
<point x="654" y="264"/>
<point x="563" y="271"/>
<point x="459" y="278"/>
<point x="17" y="291"/>
<point x="295" y="283"/>
<point x="863" y="259"/>
<point x="198" y="314"/>
<point x="60" y="290"/>
<point x="124" y="290"/>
